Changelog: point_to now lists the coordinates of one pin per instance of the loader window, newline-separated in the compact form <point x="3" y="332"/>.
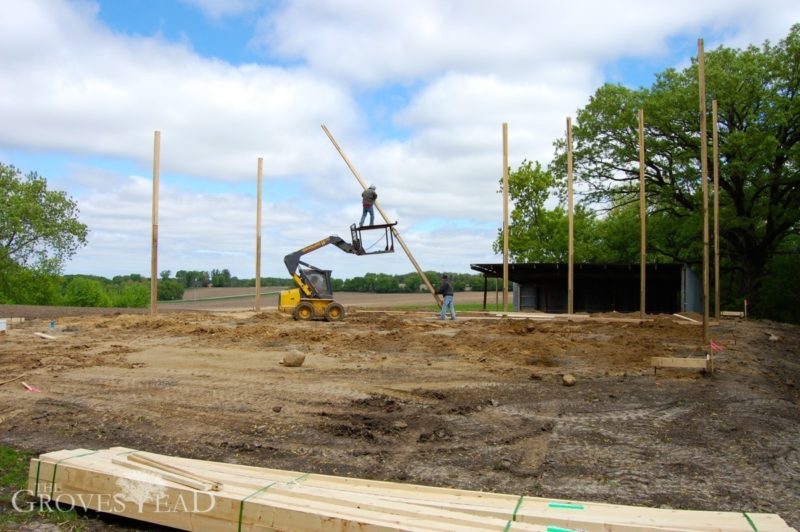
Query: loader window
<point x="318" y="281"/>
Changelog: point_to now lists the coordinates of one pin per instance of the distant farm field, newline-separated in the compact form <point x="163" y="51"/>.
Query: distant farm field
<point x="244" y="298"/>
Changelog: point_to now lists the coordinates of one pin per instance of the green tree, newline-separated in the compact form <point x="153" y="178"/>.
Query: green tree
<point x="133" y="295"/>
<point x="191" y="279"/>
<point x="82" y="291"/>
<point x="39" y="231"/>
<point x="221" y="277"/>
<point x="538" y="233"/>
<point x="781" y="288"/>
<point x="169" y="290"/>
<point x="758" y="91"/>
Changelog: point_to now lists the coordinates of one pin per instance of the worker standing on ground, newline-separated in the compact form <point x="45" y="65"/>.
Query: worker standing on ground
<point x="368" y="198"/>
<point x="446" y="289"/>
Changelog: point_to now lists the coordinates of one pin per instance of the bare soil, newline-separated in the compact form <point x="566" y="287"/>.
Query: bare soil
<point x="477" y="403"/>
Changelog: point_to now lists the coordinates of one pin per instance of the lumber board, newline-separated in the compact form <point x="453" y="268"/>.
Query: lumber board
<point x="177" y="479"/>
<point x="158" y="464"/>
<point x="45" y="336"/>
<point x="253" y="498"/>
<point x="679" y="362"/>
<point x="732" y="314"/>
<point x="264" y="511"/>
<point x="501" y="506"/>
<point x="687" y="318"/>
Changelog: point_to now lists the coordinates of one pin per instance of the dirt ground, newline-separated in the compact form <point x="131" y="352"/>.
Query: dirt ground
<point x="477" y="403"/>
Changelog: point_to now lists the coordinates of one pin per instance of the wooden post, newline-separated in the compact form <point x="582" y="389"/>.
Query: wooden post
<point x="701" y="76"/>
<point x="505" y="218"/>
<point x="154" y="241"/>
<point x="715" y="145"/>
<point x="386" y="218"/>
<point x="258" y="234"/>
<point x="571" y="221"/>
<point x="643" y="220"/>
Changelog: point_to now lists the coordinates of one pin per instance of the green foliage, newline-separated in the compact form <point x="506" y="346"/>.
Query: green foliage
<point x="133" y="295"/>
<point x="538" y="233"/>
<point x="192" y="279"/>
<point x="81" y="291"/>
<point x="221" y="277"/>
<point x="759" y="132"/>
<point x="39" y="230"/>
<point x="758" y="93"/>
<point x="170" y="290"/>
<point x="134" y="278"/>
<point x="781" y="289"/>
<point x="27" y="286"/>
<point x="13" y="468"/>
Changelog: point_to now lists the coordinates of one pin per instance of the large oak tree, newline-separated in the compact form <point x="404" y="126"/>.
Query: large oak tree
<point x="759" y="145"/>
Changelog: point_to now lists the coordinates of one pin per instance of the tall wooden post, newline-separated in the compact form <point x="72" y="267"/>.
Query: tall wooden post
<point x="715" y="145"/>
<point x="642" y="220"/>
<point x="258" y="234"/>
<point x="571" y="221"/>
<point x="386" y="218"/>
<point x="154" y="241"/>
<point x="701" y="75"/>
<point x="505" y="218"/>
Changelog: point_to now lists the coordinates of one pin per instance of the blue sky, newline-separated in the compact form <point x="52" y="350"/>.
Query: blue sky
<point x="415" y="92"/>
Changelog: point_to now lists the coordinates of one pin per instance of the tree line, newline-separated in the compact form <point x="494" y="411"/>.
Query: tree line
<point x="758" y="96"/>
<point x="133" y="291"/>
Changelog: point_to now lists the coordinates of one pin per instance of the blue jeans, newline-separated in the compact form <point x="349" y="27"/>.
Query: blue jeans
<point x="448" y="303"/>
<point x="371" y="211"/>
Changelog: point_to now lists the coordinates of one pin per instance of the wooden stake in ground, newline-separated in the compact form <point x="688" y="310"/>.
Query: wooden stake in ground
<point x="701" y="77"/>
<point x="395" y="232"/>
<point x="715" y="146"/>
<point x="571" y="222"/>
<point x="642" y="219"/>
<point x="154" y="244"/>
<point x="505" y="217"/>
<point x="258" y="234"/>
<point x="14" y="379"/>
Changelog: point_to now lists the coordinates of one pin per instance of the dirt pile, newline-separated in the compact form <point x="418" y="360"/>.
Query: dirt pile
<point x="475" y="403"/>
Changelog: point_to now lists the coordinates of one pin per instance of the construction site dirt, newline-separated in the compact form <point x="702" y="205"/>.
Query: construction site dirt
<point x="479" y="403"/>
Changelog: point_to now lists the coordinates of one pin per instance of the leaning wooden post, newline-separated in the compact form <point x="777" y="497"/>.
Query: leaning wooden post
<point x="505" y="218"/>
<point x="642" y="219"/>
<point x="154" y="241"/>
<point x="386" y="218"/>
<point x="570" y="223"/>
<point x="258" y="234"/>
<point x="715" y="145"/>
<point x="701" y="76"/>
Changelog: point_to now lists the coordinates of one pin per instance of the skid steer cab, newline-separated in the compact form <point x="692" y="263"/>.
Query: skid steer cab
<point x="313" y="297"/>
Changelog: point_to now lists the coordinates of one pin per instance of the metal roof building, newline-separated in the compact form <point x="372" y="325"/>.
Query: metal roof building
<point x="542" y="287"/>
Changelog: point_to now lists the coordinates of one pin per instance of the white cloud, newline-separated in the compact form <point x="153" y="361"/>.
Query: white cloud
<point x="73" y="86"/>
<point x="373" y="42"/>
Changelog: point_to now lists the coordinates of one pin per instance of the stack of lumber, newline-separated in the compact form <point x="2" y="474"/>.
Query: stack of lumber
<point x="210" y="496"/>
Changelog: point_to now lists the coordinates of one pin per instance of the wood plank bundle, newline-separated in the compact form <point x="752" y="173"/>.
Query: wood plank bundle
<point x="212" y="496"/>
<point x="682" y="362"/>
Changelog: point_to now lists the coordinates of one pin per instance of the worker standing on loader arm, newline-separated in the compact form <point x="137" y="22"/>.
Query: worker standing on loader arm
<point x="446" y="289"/>
<point x="368" y="198"/>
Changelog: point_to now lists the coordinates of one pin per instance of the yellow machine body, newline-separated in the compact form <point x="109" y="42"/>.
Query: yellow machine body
<point x="288" y="300"/>
<point x="309" y="308"/>
<point x="313" y="297"/>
